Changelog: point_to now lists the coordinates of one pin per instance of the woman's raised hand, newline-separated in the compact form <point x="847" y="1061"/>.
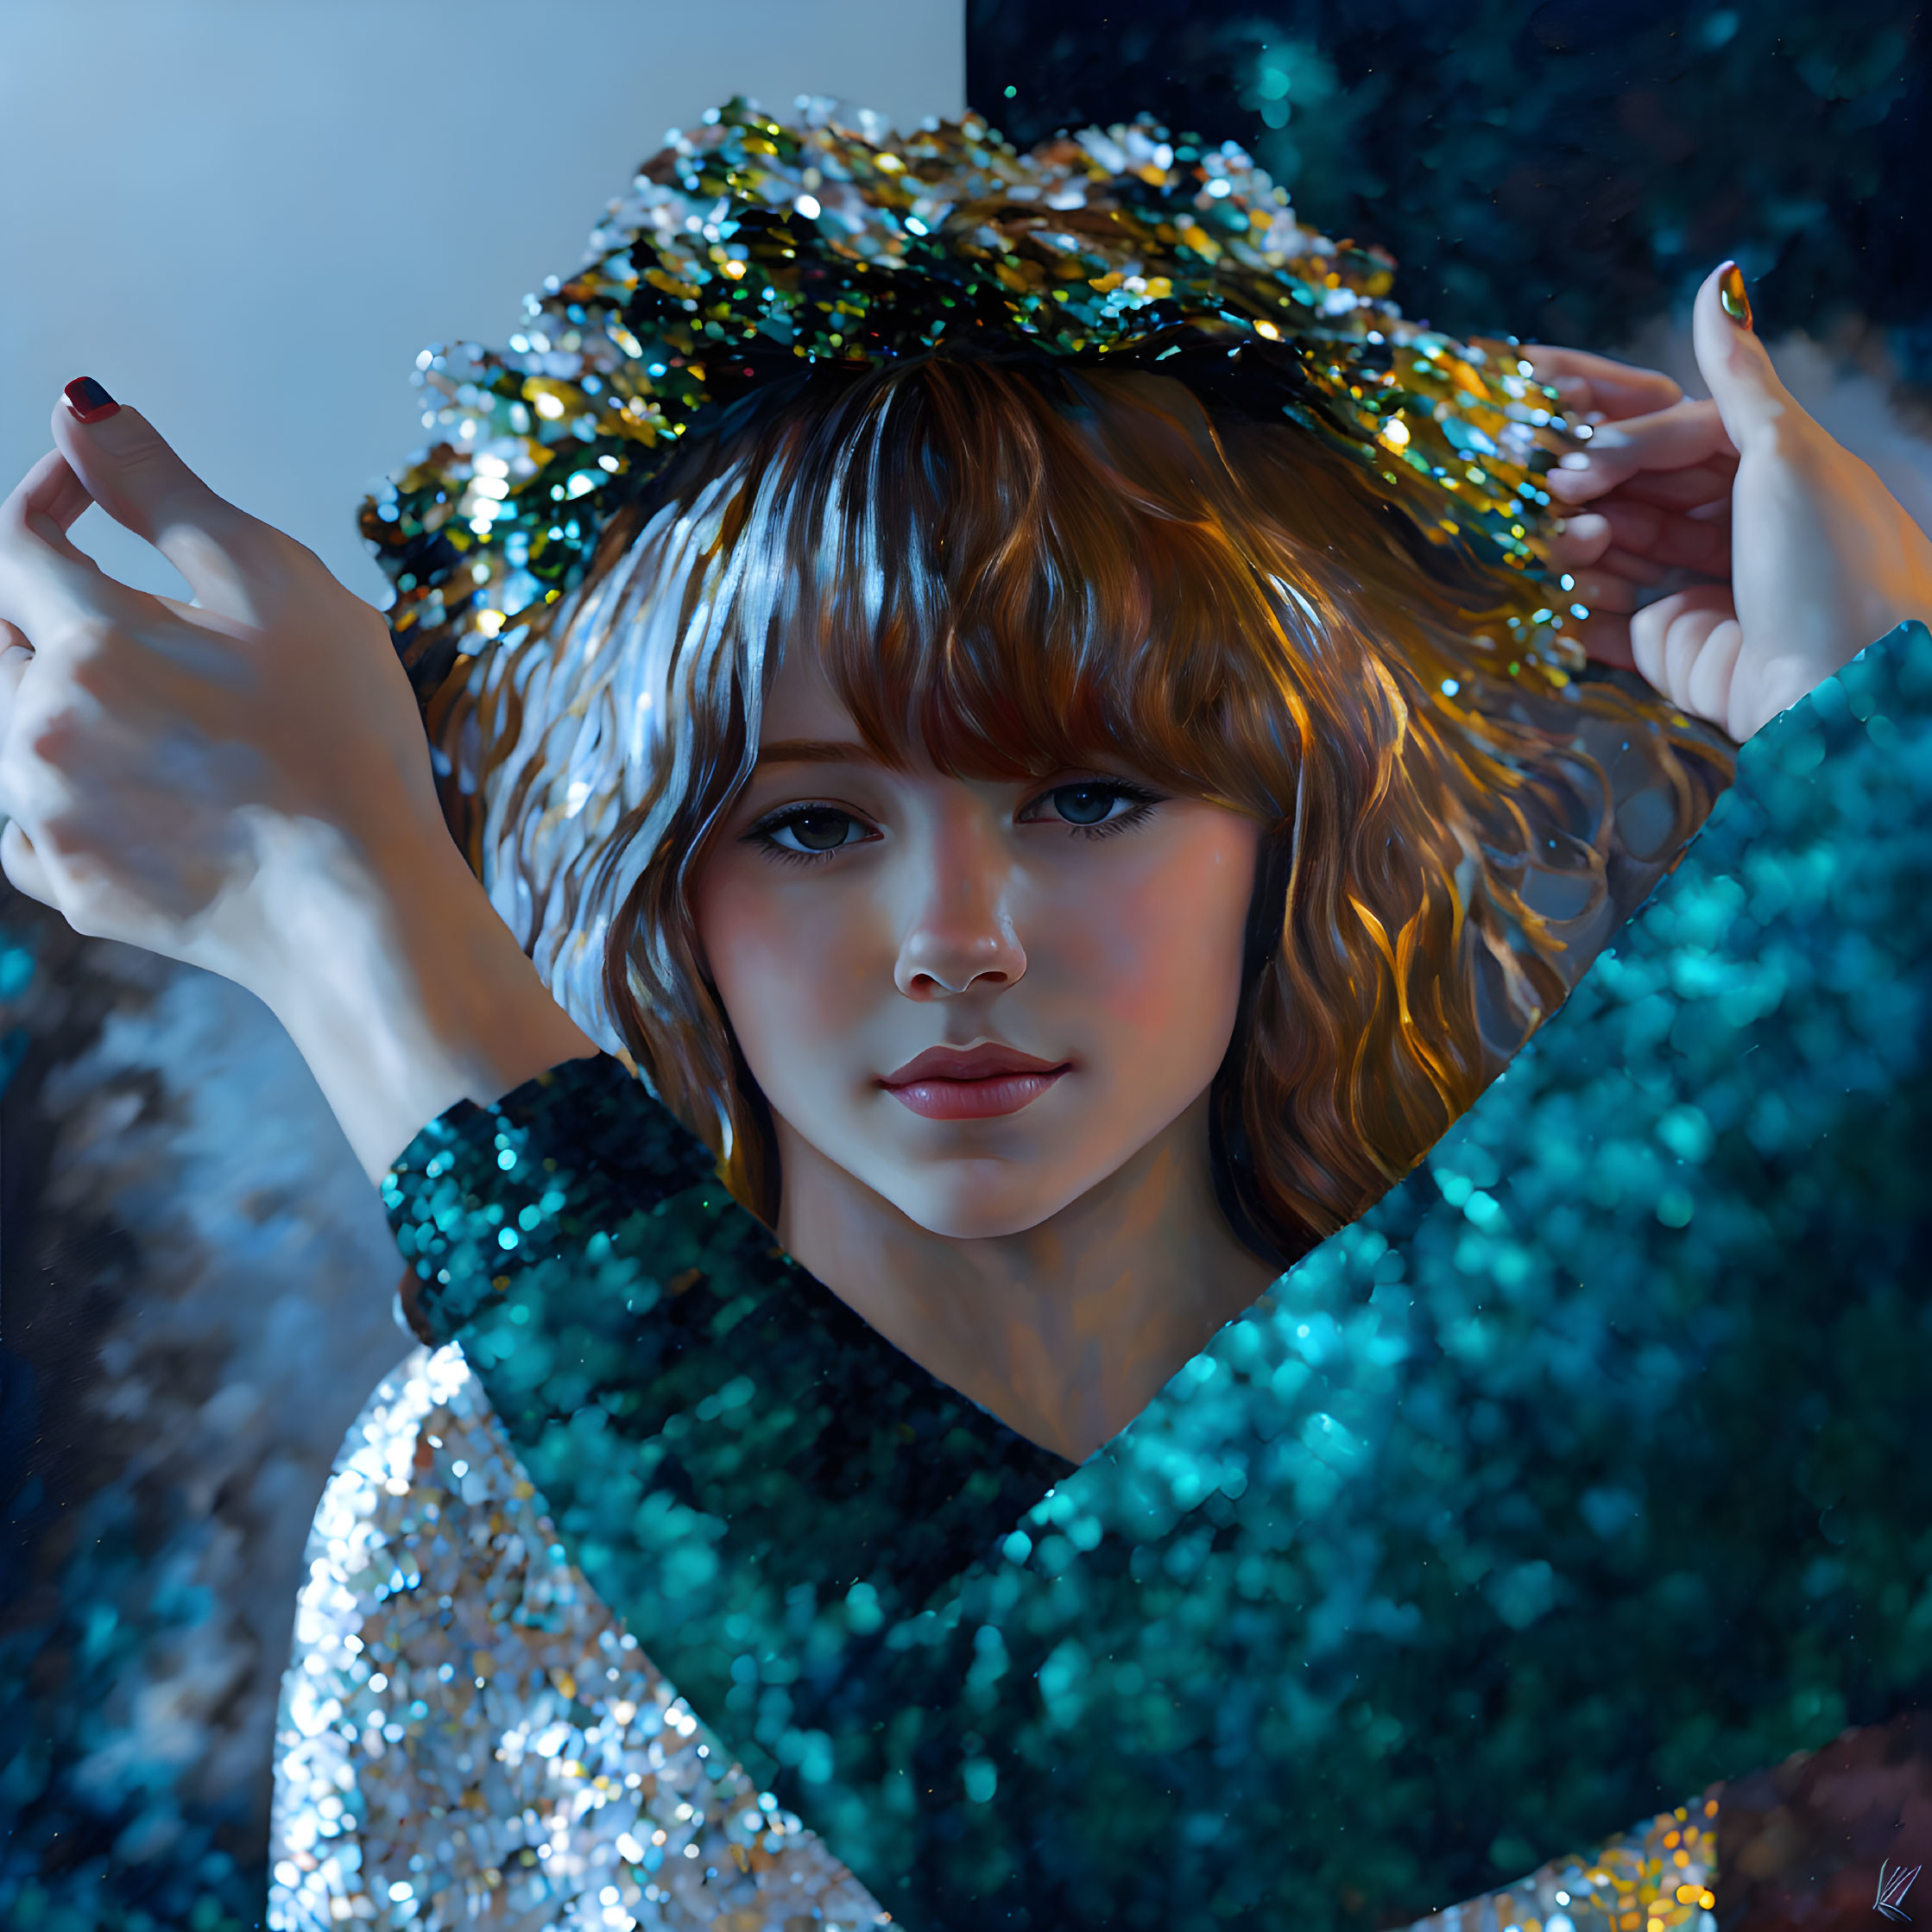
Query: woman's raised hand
<point x="244" y="785"/>
<point x="156" y="755"/>
<point x="1810" y="556"/>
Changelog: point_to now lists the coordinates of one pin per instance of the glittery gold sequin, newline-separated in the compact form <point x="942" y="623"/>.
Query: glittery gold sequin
<point x="1654" y="1878"/>
<point x="760" y="245"/>
<point x="469" y="1737"/>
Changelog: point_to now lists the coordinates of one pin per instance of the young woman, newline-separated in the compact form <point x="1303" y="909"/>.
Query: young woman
<point x="1051" y="813"/>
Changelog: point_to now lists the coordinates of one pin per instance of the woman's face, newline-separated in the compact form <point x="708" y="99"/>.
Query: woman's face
<point x="979" y="999"/>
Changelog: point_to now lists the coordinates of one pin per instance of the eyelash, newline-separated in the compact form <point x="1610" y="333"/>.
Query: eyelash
<point x="761" y="834"/>
<point x="1142" y="801"/>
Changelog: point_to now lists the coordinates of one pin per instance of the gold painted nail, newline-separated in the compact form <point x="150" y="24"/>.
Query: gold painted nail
<point x="1732" y="293"/>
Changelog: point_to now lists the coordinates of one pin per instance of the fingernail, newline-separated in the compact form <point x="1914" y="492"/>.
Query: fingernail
<point x="1732" y="293"/>
<point x="90" y="402"/>
<point x="1573" y="459"/>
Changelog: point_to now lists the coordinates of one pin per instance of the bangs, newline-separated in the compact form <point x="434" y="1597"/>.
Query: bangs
<point x="1010" y="574"/>
<point x="1008" y="569"/>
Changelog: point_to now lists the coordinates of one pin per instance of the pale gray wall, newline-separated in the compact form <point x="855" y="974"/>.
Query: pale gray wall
<point x="247" y="216"/>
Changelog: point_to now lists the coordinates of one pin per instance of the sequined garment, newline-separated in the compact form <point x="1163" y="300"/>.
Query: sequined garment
<point x="1387" y="1589"/>
<point x="547" y="1775"/>
<point x="1656" y="1878"/>
<point x="469" y="1738"/>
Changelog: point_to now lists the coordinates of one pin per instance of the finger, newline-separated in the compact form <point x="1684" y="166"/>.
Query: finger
<point x="1707" y="676"/>
<point x="1606" y="640"/>
<point x="1632" y="568"/>
<point x="52" y="490"/>
<point x="1580" y="540"/>
<point x="1684" y="639"/>
<point x="1618" y="389"/>
<point x="1587" y="550"/>
<point x="1703" y="482"/>
<point x="1662" y="539"/>
<point x="47" y="584"/>
<point x="1682" y="436"/>
<point x="1680" y="545"/>
<point x="22" y="867"/>
<point x="1577" y="397"/>
<point x="1668" y="490"/>
<point x="237" y="566"/>
<point x="1665" y="636"/>
<point x="1705" y="487"/>
<point x="1605" y="590"/>
<point x="16" y="654"/>
<point x="1592" y="542"/>
<point x="1733" y="362"/>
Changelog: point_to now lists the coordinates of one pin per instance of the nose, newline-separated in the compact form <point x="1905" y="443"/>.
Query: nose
<point x="960" y="938"/>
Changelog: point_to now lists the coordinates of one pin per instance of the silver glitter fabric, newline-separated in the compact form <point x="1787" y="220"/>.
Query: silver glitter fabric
<point x="469" y="1738"/>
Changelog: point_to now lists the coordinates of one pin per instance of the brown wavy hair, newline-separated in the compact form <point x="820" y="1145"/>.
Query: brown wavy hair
<point x="1010" y="570"/>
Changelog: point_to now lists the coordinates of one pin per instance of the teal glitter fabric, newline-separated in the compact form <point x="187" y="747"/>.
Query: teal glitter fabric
<point x="1586" y="1468"/>
<point x="752" y="1444"/>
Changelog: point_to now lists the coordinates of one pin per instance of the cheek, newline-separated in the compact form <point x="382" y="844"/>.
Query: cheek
<point x="1157" y="950"/>
<point x="789" y="958"/>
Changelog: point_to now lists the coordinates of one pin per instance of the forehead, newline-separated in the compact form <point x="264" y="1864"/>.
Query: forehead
<point x="801" y="703"/>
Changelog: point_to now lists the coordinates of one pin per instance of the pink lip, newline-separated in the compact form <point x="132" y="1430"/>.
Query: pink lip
<point x="944" y="1083"/>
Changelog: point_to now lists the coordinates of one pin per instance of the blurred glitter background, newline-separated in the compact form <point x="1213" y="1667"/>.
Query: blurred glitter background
<point x="248" y="217"/>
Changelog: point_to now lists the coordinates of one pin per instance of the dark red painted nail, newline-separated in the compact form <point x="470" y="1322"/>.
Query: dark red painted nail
<point x="90" y="402"/>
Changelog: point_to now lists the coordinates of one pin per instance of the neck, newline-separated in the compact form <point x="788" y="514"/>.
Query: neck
<point x="1066" y="1330"/>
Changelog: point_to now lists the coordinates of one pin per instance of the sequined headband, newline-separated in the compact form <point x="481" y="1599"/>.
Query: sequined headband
<point x="757" y="247"/>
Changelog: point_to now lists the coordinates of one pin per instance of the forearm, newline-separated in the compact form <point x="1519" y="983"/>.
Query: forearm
<point x="400" y="988"/>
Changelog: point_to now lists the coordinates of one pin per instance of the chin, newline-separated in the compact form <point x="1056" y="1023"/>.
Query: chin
<point x="997" y="1200"/>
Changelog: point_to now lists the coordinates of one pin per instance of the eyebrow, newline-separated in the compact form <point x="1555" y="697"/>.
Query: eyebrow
<point x="816" y="751"/>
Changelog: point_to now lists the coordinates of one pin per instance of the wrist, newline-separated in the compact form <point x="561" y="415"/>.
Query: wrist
<point x="400" y="986"/>
<point x="1899" y="591"/>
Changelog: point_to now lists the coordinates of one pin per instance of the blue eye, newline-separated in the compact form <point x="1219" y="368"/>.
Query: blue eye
<point x="1093" y="805"/>
<point x="1086" y="805"/>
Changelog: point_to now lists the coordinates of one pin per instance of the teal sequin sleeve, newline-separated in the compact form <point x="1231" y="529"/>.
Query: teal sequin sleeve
<point x="730" y="1453"/>
<point x="1588" y="1467"/>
